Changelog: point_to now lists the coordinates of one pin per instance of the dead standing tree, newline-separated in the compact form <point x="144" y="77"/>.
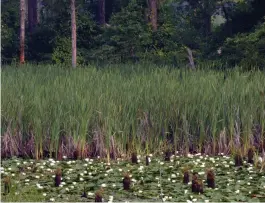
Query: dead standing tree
<point x="22" y="32"/>
<point x="73" y="25"/>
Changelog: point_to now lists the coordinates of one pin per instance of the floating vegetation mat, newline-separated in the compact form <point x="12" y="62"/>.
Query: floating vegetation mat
<point x="32" y="180"/>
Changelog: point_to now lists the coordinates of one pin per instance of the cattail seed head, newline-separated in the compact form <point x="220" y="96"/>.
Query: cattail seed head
<point x="210" y="179"/>
<point x="134" y="158"/>
<point x="186" y="177"/>
<point x="251" y="155"/>
<point x="7" y="184"/>
<point x="58" y="177"/>
<point x="98" y="195"/>
<point x="126" y="182"/>
<point x="238" y="159"/>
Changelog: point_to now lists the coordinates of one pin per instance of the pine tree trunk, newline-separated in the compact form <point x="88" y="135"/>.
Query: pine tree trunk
<point x="153" y="14"/>
<point x="101" y="7"/>
<point x="73" y="22"/>
<point x="22" y="31"/>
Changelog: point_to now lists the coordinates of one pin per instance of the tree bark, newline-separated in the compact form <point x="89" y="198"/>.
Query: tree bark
<point x="73" y="25"/>
<point x="101" y="7"/>
<point x="22" y="32"/>
<point x="153" y="14"/>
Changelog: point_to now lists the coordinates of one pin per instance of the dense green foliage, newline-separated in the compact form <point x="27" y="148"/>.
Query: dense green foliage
<point x="142" y="105"/>
<point x="203" y="26"/>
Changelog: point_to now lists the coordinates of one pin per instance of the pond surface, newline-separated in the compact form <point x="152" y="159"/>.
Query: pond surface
<point x="33" y="180"/>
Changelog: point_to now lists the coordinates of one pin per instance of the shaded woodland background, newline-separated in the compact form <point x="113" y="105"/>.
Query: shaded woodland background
<point x="221" y="32"/>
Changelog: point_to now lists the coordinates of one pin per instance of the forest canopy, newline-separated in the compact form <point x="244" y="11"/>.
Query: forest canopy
<point x="230" y="32"/>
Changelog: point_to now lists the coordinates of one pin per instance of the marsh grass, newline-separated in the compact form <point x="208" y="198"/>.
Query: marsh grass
<point x="126" y="108"/>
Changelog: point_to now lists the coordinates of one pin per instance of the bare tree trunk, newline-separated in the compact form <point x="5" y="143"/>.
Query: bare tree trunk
<point x="190" y="57"/>
<point x="101" y="8"/>
<point x="73" y="22"/>
<point x="22" y="32"/>
<point x="153" y="14"/>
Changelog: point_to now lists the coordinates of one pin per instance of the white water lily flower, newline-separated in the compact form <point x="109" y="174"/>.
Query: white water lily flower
<point x="173" y="181"/>
<point x="72" y="186"/>
<point x="133" y="180"/>
<point x="44" y="194"/>
<point x="90" y="194"/>
<point x="194" y="200"/>
<point x="74" y="183"/>
<point x="216" y="165"/>
<point x="26" y="180"/>
<point x="140" y="191"/>
<point x="29" y="168"/>
<point x="25" y="162"/>
<point x="206" y="201"/>
<point x="157" y="178"/>
<point x="248" y="183"/>
<point x="114" y="185"/>
<point x="103" y="185"/>
<point x="161" y="163"/>
<point x="158" y="185"/>
<point x="201" y="173"/>
<point x="185" y="192"/>
<point x="52" y="199"/>
<point x="52" y="164"/>
<point x="173" y="176"/>
<point x="13" y="174"/>
<point x="39" y="186"/>
<point x="237" y="191"/>
<point x="250" y="177"/>
<point x="37" y="177"/>
<point x="53" y="176"/>
<point x="120" y="169"/>
<point x="260" y="159"/>
<point x="239" y="181"/>
<point x="169" y="179"/>
<point x="81" y="179"/>
<point x="67" y="189"/>
<point x="227" y="166"/>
